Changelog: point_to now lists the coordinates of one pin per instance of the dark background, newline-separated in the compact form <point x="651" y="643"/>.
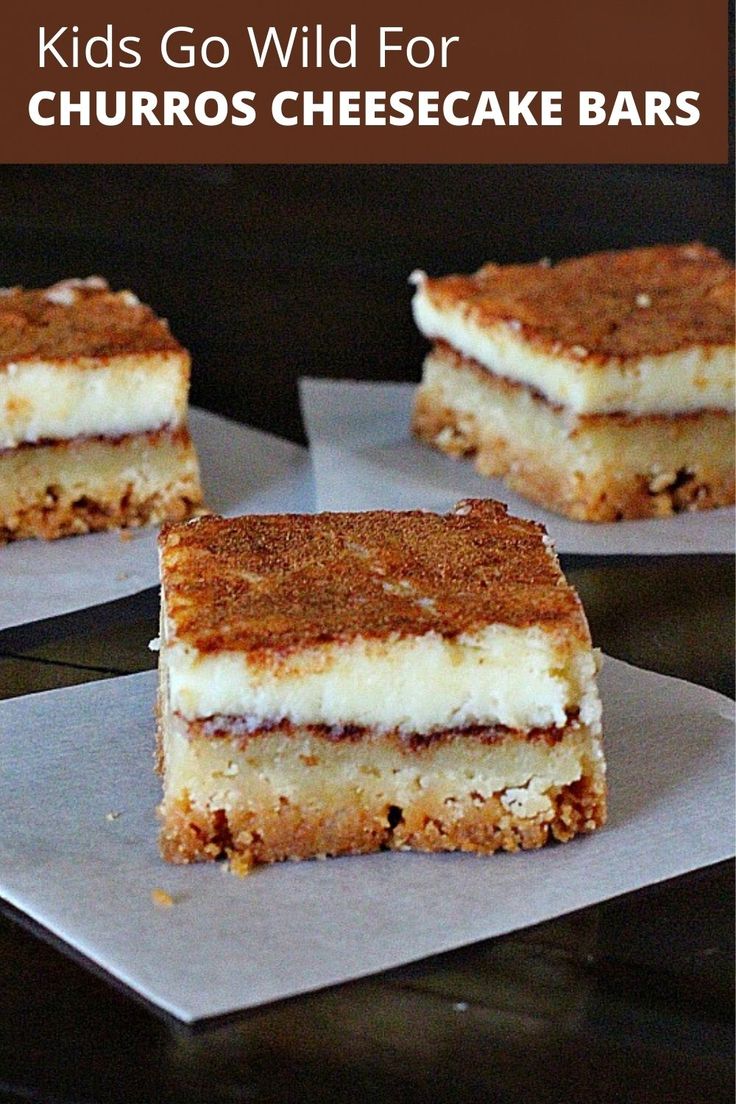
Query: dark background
<point x="267" y="273"/>
<point x="271" y="272"/>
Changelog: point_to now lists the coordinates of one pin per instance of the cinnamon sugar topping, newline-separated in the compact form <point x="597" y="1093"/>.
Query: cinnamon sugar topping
<point x="78" y="319"/>
<point x="592" y="306"/>
<point x="336" y="577"/>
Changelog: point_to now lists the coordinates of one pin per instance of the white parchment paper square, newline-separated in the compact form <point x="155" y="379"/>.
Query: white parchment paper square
<point x="72" y="756"/>
<point x="243" y="471"/>
<point x="365" y="458"/>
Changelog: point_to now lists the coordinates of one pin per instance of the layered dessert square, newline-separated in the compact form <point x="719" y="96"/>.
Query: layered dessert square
<point x="93" y="413"/>
<point x="601" y="387"/>
<point x="345" y="683"/>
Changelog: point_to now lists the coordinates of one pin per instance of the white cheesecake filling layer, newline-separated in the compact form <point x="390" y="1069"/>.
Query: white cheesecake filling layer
<point x="685" y="380"/>
<point x="520" y="678"/>
<point x="128" y="394"/>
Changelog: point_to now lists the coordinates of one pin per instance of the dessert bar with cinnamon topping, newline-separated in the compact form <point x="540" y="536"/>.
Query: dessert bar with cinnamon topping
<point x="344" y="683"/>
<point x="601" y="387"/>
<point x="93" y="413"/>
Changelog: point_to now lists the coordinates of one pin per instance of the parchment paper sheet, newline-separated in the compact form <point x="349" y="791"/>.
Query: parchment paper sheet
<point x="70" y="757"/>
<point x="365" y="458"/>
<point x="243" y="471"/>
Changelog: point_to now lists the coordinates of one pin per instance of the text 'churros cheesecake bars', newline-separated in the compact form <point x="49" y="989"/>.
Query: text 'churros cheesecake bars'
<point x="345" y="683"/>
<point x="601" y="387"/>
<point x="93" y="413"/>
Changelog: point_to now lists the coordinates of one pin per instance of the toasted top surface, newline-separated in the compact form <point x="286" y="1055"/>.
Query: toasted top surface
<point x="625" y="304"/>
<point x="75" y="319"/>
<point x="287" y="582"/>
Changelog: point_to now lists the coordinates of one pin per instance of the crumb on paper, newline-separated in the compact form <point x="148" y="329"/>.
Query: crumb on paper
<point x="112" y="815"/>
<point x="161" y="898"/>
<point x="122" y="576"/>
<point x="125" y="535"/>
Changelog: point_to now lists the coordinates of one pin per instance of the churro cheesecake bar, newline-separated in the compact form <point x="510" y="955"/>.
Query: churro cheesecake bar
<point x="601" y="387"/>
<point x="344" y="683"/>
<point x="93" y="413"/>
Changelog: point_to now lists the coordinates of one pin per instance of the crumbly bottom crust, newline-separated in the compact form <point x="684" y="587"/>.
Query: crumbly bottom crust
<point x="67" y="519"/>
<point x="191" y="833"/>
<point x="88" y="486"/>
<point x="298" y="794"/>
<point x="613" y="491"/>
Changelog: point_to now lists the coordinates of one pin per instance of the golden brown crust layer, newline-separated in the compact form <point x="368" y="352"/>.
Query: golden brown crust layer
<point x="275" y="584"/>
<point x="609" y="497"/>
<point x="96" y="515"/>
<point x="56" y="515"/>
<point x="78" y="320"/>
<point x="624" y="304"/>
<point x="273" y="834"/>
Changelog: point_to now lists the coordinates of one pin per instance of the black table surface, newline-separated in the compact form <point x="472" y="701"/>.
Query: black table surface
<point x="267" y="274"/>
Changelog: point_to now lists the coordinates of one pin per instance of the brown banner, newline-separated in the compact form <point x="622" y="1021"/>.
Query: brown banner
<point x="403" y="81"/>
